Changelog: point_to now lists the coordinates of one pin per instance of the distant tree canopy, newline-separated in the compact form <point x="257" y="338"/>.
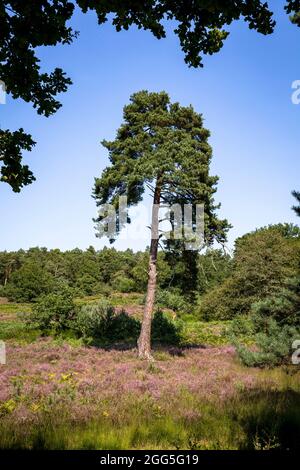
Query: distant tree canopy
<point x="28" y="25"/>
<point x="264" y="262"/>
<point x="25" y="275"/>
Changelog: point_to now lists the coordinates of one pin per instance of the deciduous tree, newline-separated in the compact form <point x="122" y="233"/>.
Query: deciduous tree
<point x="25" y="26"/>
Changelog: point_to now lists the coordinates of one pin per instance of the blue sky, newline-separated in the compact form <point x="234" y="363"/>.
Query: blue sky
<point x="244" y="93"/>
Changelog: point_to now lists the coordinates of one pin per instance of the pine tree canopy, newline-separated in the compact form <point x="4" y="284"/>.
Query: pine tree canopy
<point x="161" y="143"/>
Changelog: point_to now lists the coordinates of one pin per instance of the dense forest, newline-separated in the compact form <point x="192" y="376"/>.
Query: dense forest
<point x="259" y="265"/>
<point x="25" y="275"/>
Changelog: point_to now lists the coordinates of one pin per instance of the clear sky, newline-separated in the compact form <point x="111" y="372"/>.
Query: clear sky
<point x="244" y="93"/>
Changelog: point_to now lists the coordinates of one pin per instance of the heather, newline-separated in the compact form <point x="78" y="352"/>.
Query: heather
<point x="221" y="374"/>
<point x="70" y="396"/>
<point x="59" y="392"/>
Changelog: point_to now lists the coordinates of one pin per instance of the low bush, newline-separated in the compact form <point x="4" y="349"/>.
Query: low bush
<point x="123" y="284"/>
<point x="164" y="330"/>
<point x="242" y="327"/>
<point x="170" y="299"/>
<point x="53" y="312"/>
<point x="283" y="306"/>
<point x="274" y="324"/>
<point x="199" y="333"/>
<point x="274" y="343"/>
<point x="221" y="303"/>
<point x="17" y="330"/>
<point x="263" y="262"/>
<point x="99" y="322"/>
<point x="103" y="289"/>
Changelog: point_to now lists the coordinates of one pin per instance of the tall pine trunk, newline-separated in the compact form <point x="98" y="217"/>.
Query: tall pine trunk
<point x="144" y="341"/>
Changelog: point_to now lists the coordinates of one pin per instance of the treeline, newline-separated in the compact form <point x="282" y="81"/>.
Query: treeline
<point x="265" y="263"/>
<point x="258" y="289"/>
<point x="211" y="286"/>
<point x="25" y="275"/>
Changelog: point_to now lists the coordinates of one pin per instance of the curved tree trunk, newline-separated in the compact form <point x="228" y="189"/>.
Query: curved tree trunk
<point x="144" y="341"/>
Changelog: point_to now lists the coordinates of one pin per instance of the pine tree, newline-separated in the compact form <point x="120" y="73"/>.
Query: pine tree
<point x="164" y="147"/>
<point x="296" y="195"/>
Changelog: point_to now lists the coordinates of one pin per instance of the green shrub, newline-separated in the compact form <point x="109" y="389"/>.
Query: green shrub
<point x="103" y="289"/>
<point x="124" y="327"/>
<point x="86" y="284"/>
<point x="221" y="303"/>
<point x="164" y="330"/>
<point x="100" y="322"/>
<point x="274" y="324"/>
<point x="170" y="299"/>
<point x="273" y="341"/>
<point x="274" y="346"/>
<point x="90" y="319"/>
<point x="242" y="326"/>
<point x="263" y="260"/>
<point x="17" y="330"/>
<point x="53" y="312"/>
<point x="198" y="333"/>
<point x="28" y="283"/>
<point x="123" y="284"/>
<point x="284" y="305"/>
<point x="2" y="291"/>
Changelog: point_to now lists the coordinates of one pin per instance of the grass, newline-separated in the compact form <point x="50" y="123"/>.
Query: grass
<point x="192" y="333"/>
<point x="10" y="311"/>
<point x="255" y="420"/>
<point x="12" y="326"/>
<point x="204" y="333"/>
<point x="115" y="299"/>
<point x="56" y="393"/>
<point x="131" y="299"/>
<point x="17" y="331"/>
